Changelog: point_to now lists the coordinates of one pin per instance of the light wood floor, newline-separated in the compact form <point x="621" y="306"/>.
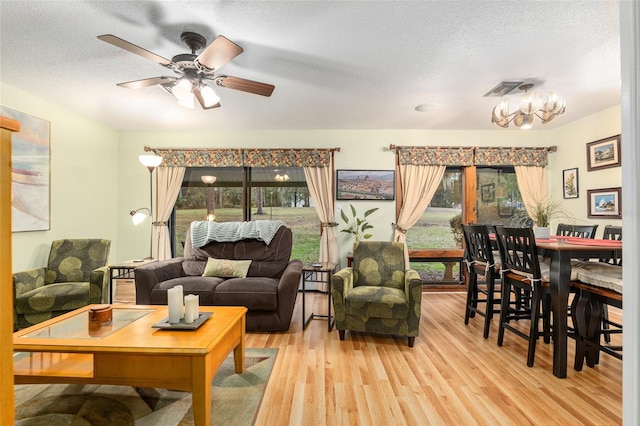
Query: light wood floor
<point x="452" y="376"/>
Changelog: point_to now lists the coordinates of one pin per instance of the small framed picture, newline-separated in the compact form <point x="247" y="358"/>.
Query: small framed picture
<point x="603" y="154"/>
<point x="488" y="192"/>
<point x="604" y="203"/>
<point x="570" y="183"/>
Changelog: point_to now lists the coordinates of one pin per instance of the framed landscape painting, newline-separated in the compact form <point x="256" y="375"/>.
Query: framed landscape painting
<point x="30" y="173"/>
<point x="365" y="185"/>
<point x="604" y="203"/>
<point x="603" y="154"/>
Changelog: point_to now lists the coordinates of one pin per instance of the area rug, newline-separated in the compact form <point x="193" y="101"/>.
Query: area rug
<point x="235" y="399"/>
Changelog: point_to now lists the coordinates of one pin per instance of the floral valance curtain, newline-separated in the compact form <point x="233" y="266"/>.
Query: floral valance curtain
<point x="436" y="156"/>
<point x="469" y="156"/>
<point x="240" y="157"/>
<point x="488" y="156"/>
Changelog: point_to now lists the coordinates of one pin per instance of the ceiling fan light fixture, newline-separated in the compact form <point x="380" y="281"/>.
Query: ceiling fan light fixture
<point x="187" y="101"/>
<point x="182" y="88"/>
<point x="209" y="95"/>
<point x="194" y="71"/>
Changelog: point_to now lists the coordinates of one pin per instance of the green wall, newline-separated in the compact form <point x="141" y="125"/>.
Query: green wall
<point x="96" y="177"/>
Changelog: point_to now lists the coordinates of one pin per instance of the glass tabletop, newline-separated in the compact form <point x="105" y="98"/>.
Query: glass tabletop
<point x="78" y="326"/>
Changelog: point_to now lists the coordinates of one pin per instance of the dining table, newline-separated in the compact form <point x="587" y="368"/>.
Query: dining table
<point x="561" y="251"/>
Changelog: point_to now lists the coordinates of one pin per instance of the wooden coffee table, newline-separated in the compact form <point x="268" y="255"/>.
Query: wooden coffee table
<point x="130" y="352"/>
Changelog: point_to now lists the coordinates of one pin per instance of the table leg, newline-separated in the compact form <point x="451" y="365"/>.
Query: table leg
<point x="304" y="318"/>
<point x="201" y="378"/>
<point x="329" y="317"/>
<point x="238" y="351"/>
<point x="559" y="274"/>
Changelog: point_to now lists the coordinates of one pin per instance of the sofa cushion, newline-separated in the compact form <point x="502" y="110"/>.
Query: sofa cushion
<point x="268" y="260"/>
<point x="256" y="293"/>
<point x="226" y="268"/>
<point x="201" y="286"/>
<point x="54" y="297"/>
<point x="376" y="302"/>
<point x="377" y="263"/>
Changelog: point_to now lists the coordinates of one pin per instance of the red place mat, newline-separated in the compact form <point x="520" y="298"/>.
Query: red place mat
<point x="544" y="240"/>
<point x="561" y="237"/>
<point x="594" y="242"/>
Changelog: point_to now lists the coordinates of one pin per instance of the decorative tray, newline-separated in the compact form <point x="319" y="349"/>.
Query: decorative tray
<point x="166" y="325"/>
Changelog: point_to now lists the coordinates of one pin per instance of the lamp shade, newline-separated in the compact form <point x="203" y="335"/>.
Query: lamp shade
<point x="208" y="179"/>
<point x="150" y="161"/>
<point x="209" y="95"/>
<point x="138" y="216"/>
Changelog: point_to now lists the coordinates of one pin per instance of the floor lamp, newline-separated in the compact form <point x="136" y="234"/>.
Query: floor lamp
<point x="137" y="216"/>
<point x="209" y="180"/>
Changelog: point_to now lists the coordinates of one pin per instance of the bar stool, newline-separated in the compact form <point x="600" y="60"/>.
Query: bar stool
<point x="480" y="261"/>
<point x="521" y="270"/>
<point x="599" y="285"/>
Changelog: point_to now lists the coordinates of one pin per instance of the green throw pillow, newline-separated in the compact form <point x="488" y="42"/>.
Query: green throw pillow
<point x="225" y="268"/>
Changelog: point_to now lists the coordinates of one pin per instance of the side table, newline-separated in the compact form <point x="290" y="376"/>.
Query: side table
<point x="121" y="271"/>
<point x="317" y="273"/>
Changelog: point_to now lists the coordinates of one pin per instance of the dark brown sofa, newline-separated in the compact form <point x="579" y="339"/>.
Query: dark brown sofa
<point x="269" y="290"/>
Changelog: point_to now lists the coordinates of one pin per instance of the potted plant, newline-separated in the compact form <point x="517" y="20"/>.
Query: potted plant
<point x="355" y="225"/>
<point x="542" y="213"/>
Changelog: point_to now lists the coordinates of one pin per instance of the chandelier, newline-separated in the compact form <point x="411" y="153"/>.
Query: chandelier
<point x="531" y="104"/>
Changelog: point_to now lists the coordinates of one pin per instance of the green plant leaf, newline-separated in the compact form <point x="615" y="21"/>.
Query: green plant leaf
<point x="368" y="212"/>
<point x="344" y="217"/>
<point x="367" y="236"/>
<point x="353" y="210"/>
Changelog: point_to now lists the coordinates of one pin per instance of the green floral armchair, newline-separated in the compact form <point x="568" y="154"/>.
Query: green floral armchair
<point x="76" y="275"/>
<point x="376" y="294"/>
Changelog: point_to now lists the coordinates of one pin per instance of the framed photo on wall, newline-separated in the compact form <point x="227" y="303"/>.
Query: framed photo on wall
<point x="365" y="185"/>
<point x="603" y="154"/>
<point x="604" y="203"/>
<point x="570" y="183"/>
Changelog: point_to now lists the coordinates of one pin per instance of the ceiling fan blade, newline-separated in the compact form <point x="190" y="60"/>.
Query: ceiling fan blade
<point x="219" y="52"/>
<point x="123" y="44"/>
<point x="244" y="85"/>
<point x="203" y="103"/>
<point x="146" y="82"/>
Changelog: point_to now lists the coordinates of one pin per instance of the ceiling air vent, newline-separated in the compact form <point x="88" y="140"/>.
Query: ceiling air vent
<point x="503" y="88"/>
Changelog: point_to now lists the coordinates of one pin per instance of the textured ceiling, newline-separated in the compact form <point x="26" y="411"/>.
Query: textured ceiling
<point x="335" y="64"/>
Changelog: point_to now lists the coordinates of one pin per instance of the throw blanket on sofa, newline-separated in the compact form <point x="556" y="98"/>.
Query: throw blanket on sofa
<point x="204" y="232"/>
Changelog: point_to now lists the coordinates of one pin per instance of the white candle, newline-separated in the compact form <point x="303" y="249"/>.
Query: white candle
<point x="181" y="293"/>
<point x="191" y="308"/>
<point x="174" y="298"/>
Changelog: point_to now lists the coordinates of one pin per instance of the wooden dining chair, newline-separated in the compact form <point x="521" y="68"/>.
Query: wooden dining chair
<point x="578" y="231"/>
<point x="480" y="261"/>
<point x="598" y="285"/>
<point x="610" y="232"/>
<point x="521" y="270"/>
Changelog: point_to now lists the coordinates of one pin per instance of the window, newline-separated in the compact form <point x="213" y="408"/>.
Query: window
<point x="438" y="228"/>
<point x="270" y="193"/>
<point x="497" y="201"/>
<point x="498" y="198"/>
<point x="434" y="229"/>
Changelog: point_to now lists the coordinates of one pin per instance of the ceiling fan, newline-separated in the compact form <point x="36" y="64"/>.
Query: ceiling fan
<point x="194" y="72"/>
